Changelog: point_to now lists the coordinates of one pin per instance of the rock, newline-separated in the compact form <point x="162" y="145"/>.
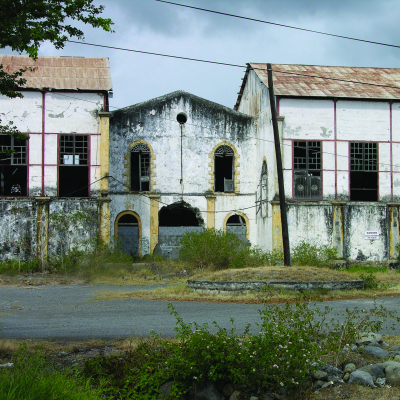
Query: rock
<point x="392" y="374"/>
<point x="380" y="382"/>
<point x="319" y="375"/>
<point x="234" y="396"/>
<point x="271" y="396"/>
<point x="327" y="384"/>
<point x="362" y="378"/>
<point x="165" y="390"/>
<point x="254" y="398"/>
<point x="205" y="390"/>
<point x="228" y="390"/>
<point x="6" y="365"/>
<point x="387" y="363"/>
<point x="375" y="370"/>
<point x="395" y="348"/>
<point x="334" y="374"/>
<point x="397" y="358"/>
<point x="394" y="353"/>
<point x="349" y="368"/>
<point x="318" y="385"/>
<point x="367" y="338"/>
<point x="347" y="376"/>
<point x="376" y="352"/>
<point x="384" y="345"/>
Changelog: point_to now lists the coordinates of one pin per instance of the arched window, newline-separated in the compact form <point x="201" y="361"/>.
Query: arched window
<point x="224" y="158"/>
<point x="140" y="168"/>
<point x="264" y="190"/>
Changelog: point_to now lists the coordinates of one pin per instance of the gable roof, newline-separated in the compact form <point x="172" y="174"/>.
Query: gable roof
<point x="326" y="81"/>
<point x="61" y="73"/>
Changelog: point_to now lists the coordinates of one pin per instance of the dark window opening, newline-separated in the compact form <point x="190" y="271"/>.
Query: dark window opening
<point x="140" y="168"/>
<point x="236" y="220"/>
<point x="264" y="190"/>
<point x="73" y="172"/>
<point x="128" y="234"/>
<point x="363" y="172"/>
<point x="13" y="168"/>
<point x="177" y="215"/>
<point x="128" y="219"/>
<point x="181" y="118"/>
<point x="223" y="173"/>
<point x="307" y="170"/>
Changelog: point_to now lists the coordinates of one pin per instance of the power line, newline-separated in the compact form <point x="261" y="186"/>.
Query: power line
<point x="281" y="25"/>
<point x="237" y="65"/>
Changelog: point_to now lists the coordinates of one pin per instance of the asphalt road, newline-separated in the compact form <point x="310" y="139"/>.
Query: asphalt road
<point x="66" y="312"/>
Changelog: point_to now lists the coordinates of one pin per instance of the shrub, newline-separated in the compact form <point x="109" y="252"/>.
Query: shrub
<point x="309" y="254"/>
<point x="370" y="280"/>
<point x="216" y="249"/>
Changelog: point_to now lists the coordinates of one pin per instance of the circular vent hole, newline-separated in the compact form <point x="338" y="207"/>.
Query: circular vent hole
<point x="181" y="118"/>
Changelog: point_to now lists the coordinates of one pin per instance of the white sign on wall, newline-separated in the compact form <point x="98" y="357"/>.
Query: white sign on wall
<point x="372" y="235"/>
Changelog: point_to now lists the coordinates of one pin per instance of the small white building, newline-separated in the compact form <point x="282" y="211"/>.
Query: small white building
<point x="180" y="163"/>
<point x="59" y="170"/>
<point x="340" y="133"/>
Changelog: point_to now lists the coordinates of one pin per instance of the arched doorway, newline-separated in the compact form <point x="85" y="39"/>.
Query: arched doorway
<point x="174" y="221"/>
<point x="128" y="232"/>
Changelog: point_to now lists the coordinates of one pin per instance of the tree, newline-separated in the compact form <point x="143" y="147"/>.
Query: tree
<point x="26" y="24"/>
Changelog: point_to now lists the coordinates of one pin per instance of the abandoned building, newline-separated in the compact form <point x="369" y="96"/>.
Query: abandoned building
<point x="179" y="163"/>
<point x="58" y="171"/>
<point x="340" y="133"/>
<point x="150" y="172"/>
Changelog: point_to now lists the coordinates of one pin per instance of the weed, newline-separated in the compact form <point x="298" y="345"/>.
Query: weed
<point x="306" y="253"/>
<point x="370" y="281"/>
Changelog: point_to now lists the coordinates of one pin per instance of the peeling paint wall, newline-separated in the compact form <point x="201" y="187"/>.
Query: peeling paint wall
<point x="208" y="125"/>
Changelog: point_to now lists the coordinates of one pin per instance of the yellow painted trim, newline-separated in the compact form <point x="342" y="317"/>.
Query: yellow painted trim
<point x="210" y="212"/>
<point x="139" y="224"/>
<point x="245" y="218"/>
<point x="154" y="199"/>
<point x="127" y="166"/>
<point x="276" y="227"/>
<point x="236" y="171"/>
<point x="104" y="220"/>
<point x="104" y="151"/>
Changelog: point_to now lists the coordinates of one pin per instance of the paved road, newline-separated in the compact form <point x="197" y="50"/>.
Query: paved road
<point x="66" y="312"/>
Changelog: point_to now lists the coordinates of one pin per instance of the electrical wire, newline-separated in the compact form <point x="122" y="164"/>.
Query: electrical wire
<point x="281" y="25"/>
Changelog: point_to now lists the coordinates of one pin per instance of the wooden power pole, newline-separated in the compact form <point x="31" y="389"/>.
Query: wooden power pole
<point x="282" y="202"/>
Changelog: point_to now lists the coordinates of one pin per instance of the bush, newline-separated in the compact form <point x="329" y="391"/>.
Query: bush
<point x="216" y="249"/>
<point x="308" y="254"/>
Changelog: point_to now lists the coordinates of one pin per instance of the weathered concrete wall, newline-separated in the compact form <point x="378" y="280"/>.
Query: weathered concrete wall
<point x="18" y="229"/>
<point x="169" y="239"/>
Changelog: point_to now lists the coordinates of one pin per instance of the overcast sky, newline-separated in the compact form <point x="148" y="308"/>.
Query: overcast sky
<point x="152" y="26"/>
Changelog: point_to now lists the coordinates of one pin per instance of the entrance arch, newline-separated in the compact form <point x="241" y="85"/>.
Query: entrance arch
<point x="128" y="230"/>
<point x="238" y="223"/>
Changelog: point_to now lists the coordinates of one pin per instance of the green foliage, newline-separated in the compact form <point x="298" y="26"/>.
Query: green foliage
<point x="309" y="254"/>
<point x="370" y="281"/>
<point x="216" y="249"/>
<point x="31" y="378"/>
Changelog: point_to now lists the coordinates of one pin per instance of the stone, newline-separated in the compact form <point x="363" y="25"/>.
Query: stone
<point x="387" y="363"/>
<point x="227" y="390"/>
<point x="395" y="348"/>
<point x="367" y="338"/>
<point x="165" y="390"/>
<point x="362" y="378"/>
<point x="254" y="398"/>
<point x="334" y="374"/>
<point x="318" y="385"/>
<point x="375" y="370"/>
<point x="347" y="376"/>
<point x="375" y="352"/>
<point x="349" y="368"/>
<point x="397" y="358"/>
<point x="234" y="396"/>
<point x="320" y="375"/>
<point x="392" y="374"/>
<point x="271" y="396"/>
<point x="380" y="382"/>
<point x="205" y="390"/>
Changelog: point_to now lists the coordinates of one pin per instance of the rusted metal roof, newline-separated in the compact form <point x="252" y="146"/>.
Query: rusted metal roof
<point x="62" y="73"/>
<point x="327" y="81"/>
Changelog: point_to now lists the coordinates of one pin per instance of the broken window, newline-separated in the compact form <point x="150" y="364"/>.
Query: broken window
<point x="363" y="172"/>
<point x="73" y="172"/>
<point x="223" y="173"/>
<point x="264" y="190"/>
<point x="140" y="168"/>
<point x="13" y="168"/>
<point x="307" y="170"/>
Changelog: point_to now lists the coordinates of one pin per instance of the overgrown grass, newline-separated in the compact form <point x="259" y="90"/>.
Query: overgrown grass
<point x="31" y="378"/>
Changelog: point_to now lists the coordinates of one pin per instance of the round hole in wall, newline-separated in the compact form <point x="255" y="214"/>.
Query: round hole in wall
<point x="181" y="118"/>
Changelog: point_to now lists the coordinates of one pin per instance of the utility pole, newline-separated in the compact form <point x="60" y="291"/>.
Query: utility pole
<point x="282" y="203"/>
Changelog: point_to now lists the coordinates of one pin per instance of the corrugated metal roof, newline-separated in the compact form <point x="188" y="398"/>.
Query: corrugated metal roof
<point x="326" y="81"/>
<point x="71" y="73"/>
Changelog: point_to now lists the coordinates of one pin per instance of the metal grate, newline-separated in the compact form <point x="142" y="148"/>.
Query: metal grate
<point x="140" y="148"/>
<point x="363" y="157"/>
<point x="224" y="151"/>
<point x="73" y="150"/>
<point x="18" y="148"/>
